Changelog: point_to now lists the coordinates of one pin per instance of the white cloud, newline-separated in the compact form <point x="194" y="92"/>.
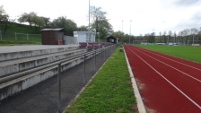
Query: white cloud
<point x="146" y="15"/>
<point x="186" y="2"/>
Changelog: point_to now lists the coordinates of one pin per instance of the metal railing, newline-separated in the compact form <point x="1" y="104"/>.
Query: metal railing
<point x="93" y="53"/>
<point x="15" y="36"/>
<point x="6" y="80"/>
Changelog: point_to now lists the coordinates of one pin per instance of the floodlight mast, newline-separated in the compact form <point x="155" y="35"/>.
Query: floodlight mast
<point x="89" y="23"/>
<point x="122" y="32"/>
<point x="130" y="32"/>
<point x="89" y="15"/>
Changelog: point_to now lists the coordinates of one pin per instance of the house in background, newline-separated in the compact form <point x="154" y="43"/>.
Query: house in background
<point x="112" y="39"/>
<point x="84" y="36"/>
<point x="55" y="36"/>
<point x="52" y="36"/>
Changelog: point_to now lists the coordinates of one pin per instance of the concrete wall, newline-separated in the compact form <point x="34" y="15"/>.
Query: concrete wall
<point x="84" y="36"/>
<point x="11" y="67"/>
<point x="70" y="40"/>
<point x="81" y="38"/>
<point x="27" y="53"/>
<point x="14" y="86"/>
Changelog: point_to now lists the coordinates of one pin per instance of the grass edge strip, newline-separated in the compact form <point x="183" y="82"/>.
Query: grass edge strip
<point x="86" y="85"/>
<point x="140" y="104"/>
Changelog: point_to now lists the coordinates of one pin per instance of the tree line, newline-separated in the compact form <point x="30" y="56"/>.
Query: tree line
<point x="183" y="37"/>
<point x="100" y="24"/>
<point x="123" y="37"/>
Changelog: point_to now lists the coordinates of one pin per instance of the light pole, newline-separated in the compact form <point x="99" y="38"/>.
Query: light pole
<point x="122" y="25"/>
<point x="89" y="22"/>
<point x="89" y="15"/>
<point x="122" y="32"/>
<point x="192" y="34"/>
<point x="130" y="32"/>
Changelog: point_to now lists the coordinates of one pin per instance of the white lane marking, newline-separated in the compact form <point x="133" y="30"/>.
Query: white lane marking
<point x="191" y="100"/>
<point x="140" y="104"/>
<point x="174" y="60"/>
<point x="172" y="67"/>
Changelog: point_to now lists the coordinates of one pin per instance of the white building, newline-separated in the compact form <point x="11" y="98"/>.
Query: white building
<point x="70" y="40"/>
<point x="84" y="36"/>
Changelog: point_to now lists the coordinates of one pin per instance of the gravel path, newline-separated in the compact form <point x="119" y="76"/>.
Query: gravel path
<point x="42" y="98"/>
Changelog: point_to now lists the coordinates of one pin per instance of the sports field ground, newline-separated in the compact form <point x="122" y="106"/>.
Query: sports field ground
<point x="184" y="52"/>
<point x="167" y="84"/>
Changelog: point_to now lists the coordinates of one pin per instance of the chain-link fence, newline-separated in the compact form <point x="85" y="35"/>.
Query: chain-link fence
<point x="60" y="90"/>
<point x="83" y="74"/>
<point x="14" y="36"/>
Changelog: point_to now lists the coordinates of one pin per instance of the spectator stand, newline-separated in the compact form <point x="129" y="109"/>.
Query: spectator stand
<point x="93" y="45"/>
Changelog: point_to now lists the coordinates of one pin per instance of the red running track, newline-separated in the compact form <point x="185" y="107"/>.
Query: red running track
<point x="167" y="84"/>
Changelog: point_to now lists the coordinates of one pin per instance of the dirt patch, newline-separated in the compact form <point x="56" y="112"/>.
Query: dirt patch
<point x="140" y="84"/>
<point x="150" y="110"/>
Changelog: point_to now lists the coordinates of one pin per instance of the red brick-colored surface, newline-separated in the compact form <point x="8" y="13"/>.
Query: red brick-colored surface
<point x="166" y="84"/>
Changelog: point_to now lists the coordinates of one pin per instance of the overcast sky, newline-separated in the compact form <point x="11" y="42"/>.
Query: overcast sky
<point x="147" y="15"/>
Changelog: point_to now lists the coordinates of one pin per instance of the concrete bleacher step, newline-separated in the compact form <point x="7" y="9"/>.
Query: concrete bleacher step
<point x="17" y="65"/>
<point x="20" y="73"/>
<point x="19" y="60"/>
<point x="17" y="52"/>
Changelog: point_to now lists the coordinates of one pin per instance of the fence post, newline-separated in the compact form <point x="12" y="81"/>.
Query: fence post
<point x="84" y="71"/>
<point x="27" y="36"/>
<point x="109" y="50"/>
<point x="59" y="88"/>
<point x="104" y="53"/>
<point x="0" y="35"/>
<point x="94" y="61"/>
<point x="15" y="36"/>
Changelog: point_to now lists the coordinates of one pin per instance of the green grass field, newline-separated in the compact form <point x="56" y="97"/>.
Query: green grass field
<point x="20" y="28"/>
<point x="17" y="34"/>
<point x="109" y="92"/>
<point x="185" y="52"/>
<point x="8" y="38"/>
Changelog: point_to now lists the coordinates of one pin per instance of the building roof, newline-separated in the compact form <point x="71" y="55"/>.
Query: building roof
<point x="52" y="29"/>
<point x="111" y="37"/>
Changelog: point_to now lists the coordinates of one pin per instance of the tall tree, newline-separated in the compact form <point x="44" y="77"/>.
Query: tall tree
<point x="186" y="33"/>
<point x="194" y="32"/>
<point x="119" y="35"/>
<point x="82" y="28"/>
<point x="46" y="21"/>
<point x="27" y="17"/>
<point x="160" y="38"/>
<point x="68" y="25"/>
<point x="100" y="22"/>
<point x="175" y="37"/>
<point x="38" y="22"/>
<point x="103" y="27"/>
<point x="152" y="37"/>
<point x="199" y="36"/>
<point x="33" y="19"/>
<point x="4" y="18"/>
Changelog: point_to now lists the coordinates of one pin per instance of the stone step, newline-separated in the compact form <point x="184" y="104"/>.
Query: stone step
<point x="17" y="65"/>
<point x="18" y="52"/>
<point x="40" y="68"/>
